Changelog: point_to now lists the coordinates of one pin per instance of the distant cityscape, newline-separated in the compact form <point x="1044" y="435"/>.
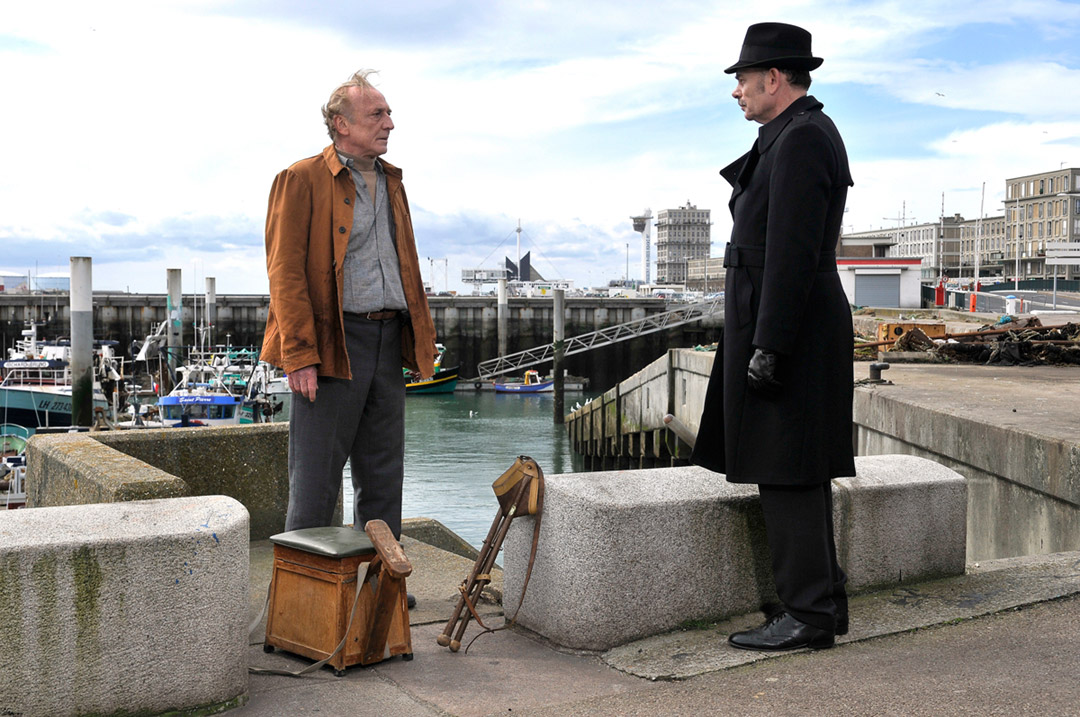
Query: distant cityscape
<point x="1039" y="208"/>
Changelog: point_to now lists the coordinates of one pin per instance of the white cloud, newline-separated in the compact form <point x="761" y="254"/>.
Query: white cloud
<point x="158" y="127"/>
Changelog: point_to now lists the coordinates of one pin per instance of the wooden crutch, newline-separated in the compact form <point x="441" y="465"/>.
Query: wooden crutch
<point x="520" y="491"/>
<point x="467" y="585"/>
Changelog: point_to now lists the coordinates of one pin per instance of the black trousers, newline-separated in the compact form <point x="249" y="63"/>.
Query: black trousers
<point x="360" y="420"/>
<point x="799" y="525"/>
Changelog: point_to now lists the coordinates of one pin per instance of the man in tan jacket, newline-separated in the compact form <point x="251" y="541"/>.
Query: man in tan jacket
<point x="347" y="312"/>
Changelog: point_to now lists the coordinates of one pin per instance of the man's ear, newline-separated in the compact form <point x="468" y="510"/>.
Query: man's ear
<point x="773" y="81"/>
<point x="341" y="125"/>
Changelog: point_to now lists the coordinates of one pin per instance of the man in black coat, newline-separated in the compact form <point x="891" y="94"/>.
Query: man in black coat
<point x="778" y="407"/>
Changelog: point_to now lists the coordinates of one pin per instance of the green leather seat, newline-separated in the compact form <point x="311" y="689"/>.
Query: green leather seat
<point x="331" y="541"/>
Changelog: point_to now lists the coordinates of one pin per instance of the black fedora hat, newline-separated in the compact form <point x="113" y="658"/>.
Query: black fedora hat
<point x="776" y="44"/>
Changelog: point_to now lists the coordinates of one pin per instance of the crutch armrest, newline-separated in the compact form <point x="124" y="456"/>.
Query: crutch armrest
<point x="388" y="548"/>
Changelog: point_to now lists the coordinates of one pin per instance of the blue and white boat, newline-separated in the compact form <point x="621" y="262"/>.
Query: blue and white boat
<point x="200" y="398"/>
<point x="531" y="384"/>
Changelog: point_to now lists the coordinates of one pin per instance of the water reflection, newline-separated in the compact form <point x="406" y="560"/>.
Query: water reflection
<point x="456" y="445"/>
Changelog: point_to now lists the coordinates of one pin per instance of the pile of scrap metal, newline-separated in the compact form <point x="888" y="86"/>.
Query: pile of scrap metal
<point x="1016" y="343"/>
<point x="1010" y="342"/>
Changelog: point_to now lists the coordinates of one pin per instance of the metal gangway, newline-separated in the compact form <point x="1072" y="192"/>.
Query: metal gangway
<point x="512" y="363"/>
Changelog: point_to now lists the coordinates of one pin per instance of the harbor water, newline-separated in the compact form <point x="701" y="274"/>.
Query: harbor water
<point x="457" y="444"/>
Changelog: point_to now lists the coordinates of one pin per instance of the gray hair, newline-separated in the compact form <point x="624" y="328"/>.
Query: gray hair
<point x="339" y="105"/>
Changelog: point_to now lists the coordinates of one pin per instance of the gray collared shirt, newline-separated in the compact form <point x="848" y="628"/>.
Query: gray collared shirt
<point x="372" y="274"/>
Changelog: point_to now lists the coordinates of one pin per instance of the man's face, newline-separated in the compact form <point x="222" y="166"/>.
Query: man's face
<point x="752" y="96"/>
<point x="366" y="128"/>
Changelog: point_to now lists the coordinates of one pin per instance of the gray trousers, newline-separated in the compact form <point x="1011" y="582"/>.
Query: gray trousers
<point x="362" y="420"/>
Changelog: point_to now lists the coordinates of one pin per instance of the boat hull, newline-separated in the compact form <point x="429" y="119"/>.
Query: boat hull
<point x="542" y="387"/>
<point x="444" y="381"/>
<point x="38" y="406"/>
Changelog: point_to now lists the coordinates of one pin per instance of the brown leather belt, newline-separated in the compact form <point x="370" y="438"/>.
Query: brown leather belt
<point x="376" y="315"/>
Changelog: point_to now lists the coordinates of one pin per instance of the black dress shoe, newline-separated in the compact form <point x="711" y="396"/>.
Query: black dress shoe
<point x="783" y="632"/>
<point x="410" y="600"/>
<point x="771" y="609"/>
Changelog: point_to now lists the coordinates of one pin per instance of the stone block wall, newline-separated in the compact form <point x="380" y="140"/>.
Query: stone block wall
<point x="628" y="554"/>
<point x="248" y="463"/>
<point x="124" y="608"/>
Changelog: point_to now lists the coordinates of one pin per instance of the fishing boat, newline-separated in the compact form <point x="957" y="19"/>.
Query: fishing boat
<point x="531" y="384"/>
<point x="267" y="398"/>
<point x="35" y="381"/>
<point x="444" y="381"/>
<point x="13" y="465"/>
<point x="200" y="398"/>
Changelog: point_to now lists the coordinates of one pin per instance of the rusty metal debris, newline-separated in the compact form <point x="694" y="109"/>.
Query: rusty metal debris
<point x="1015" y="343"/>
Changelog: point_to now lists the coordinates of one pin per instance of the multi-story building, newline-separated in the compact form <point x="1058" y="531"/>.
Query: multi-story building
<point x="1040" y="208"/>
<point x="681" y="234"/>
<point x="982" y="246"/>
<point x="707" y="274"/>
<point x="937" y="244"/>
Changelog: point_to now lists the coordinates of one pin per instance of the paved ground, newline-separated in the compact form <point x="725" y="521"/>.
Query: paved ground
<point x="1003" y="639"/>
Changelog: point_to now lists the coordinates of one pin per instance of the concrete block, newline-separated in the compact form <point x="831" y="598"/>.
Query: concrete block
<point x="900" y="519"/>
<point x="124" y="608"/>
<point x="628" y="554"/>
<point x="247" y="462"/>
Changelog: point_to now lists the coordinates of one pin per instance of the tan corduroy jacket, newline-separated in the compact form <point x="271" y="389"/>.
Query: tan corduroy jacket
<point x="308" y="222"/>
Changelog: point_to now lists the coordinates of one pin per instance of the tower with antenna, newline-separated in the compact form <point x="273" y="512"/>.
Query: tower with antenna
<point x="643" y="224"/>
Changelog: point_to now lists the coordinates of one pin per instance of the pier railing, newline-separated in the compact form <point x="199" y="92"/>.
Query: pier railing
<point x="512" y="363"/>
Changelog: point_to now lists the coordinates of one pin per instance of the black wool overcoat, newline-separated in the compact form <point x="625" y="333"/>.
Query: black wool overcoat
<point x="783" y="293"/>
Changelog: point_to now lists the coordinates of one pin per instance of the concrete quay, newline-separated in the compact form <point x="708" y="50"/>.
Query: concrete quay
<point x="1002" y="639"/>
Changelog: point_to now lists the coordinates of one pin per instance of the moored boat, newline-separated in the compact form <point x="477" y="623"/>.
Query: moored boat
<point x="531" y="384"/>
<point x="200" y="398"/>
<point x="35" y="382"/>
<point x="444" y="381"/>
<point x="13" y="465"/>
<point x="268" y="397"/>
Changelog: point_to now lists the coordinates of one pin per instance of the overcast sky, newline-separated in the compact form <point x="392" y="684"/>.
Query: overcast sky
<point x="146" y="134"/>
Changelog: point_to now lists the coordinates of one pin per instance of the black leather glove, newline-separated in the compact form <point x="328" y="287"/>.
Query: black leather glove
<point x="761" y="374"/>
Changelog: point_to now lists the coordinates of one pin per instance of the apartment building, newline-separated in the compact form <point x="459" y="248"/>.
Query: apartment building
<point x="682" y="234"/>
<point x="1040" y="208"/>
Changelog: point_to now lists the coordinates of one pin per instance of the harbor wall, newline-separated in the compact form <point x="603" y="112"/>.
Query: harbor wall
<point x="1023" y="480"/>
<point x="247" y="463"/>
<point x="466" y="325"/>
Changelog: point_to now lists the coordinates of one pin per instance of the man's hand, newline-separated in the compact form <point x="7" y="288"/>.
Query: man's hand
<point x="305" y="381"/>
<point x="761" y="374"/>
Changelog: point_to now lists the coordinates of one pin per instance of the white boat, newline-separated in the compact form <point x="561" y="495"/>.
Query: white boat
<point x="35" y="381"/>
<point x="267" y="397"/>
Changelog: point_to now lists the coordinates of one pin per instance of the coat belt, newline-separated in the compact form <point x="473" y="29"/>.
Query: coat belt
<point x="735" y="256"/>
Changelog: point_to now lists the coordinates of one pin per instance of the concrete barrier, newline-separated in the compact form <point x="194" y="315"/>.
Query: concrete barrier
<point x="124" y="608"/>
<point x="628" y="554"/>
<point x="248" y="463"/>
